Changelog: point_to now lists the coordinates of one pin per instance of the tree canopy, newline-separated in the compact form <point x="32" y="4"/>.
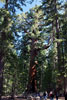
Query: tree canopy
<point x="33" y="47"/>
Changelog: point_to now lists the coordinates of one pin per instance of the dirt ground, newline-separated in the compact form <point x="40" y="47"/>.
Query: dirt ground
<point x="60" y="98"/>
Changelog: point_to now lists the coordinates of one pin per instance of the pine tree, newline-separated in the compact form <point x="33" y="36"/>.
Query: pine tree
<point x="64" y="46"/>
<point x="52" y="9"/>
<point x="2" y="52"/>
<point x="6" y="32"/>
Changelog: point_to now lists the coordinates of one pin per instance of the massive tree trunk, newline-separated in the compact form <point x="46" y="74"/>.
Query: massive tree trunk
<point x="32" y="83"/>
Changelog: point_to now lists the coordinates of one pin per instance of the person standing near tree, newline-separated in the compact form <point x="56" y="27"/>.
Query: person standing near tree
<point x="66" y="96"/>
<point x="51" y="95"/>
<point x="45" y="95"/>
<point x="57" y="95"/>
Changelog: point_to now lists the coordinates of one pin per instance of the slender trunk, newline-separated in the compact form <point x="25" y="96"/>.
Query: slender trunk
<point x="13" y="86"/>
<point x="66" y="84"/>
<point x="13" y="91"/>
<point x="63" y="68"/>
<point x="63" y="63"/>
<point x="53" y="35"/>
<point x="2" y="54"/>
<point x="1" y="63"/>
<point x="58" y="47"/>
<point x="6" y="4"/>
<point x="58" y="37"/>
<point x="1" y="77"/>
<point x="41" y="78"/>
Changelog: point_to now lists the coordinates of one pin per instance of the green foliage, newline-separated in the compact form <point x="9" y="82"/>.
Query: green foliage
<point x="2" y="0"/>
<point x="39" y="24"/>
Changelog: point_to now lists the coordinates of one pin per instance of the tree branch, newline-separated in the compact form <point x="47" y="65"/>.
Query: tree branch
<point x="46" y="46"/>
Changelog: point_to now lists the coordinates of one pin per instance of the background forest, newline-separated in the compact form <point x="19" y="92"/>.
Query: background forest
<point x="38" y="36"/>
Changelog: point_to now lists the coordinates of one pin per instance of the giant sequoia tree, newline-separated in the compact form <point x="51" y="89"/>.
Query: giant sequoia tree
<point x="32" y="25"/>
<point x="24" y="61"/>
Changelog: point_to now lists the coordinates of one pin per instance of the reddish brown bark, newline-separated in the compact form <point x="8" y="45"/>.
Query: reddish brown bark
<point x="32" y="83"/>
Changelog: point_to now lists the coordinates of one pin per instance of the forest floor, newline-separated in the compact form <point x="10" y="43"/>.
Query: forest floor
<point x="60" y="98"/>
